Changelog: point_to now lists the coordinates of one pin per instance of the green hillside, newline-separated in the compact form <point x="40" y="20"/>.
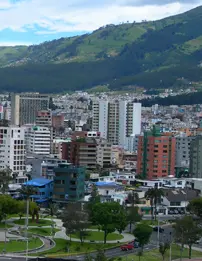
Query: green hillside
<point x="150" y="54"/>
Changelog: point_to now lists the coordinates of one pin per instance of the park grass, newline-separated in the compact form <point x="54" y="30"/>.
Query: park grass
<point x="17" y="246"/>
<point x="42" y="231"/>
<point x="64" y="248"/>
<point x="154" y="255"/>
<point x="40" y="223"/>
<point x="99" y="236"/>
<point x="2" y="225"/>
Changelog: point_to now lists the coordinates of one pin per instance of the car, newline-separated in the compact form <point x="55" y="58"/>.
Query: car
<point x="176" y="212"/>
<point x="127" y="247"/>
<point x="170" y="212"/>
<point x="160" y="229"/>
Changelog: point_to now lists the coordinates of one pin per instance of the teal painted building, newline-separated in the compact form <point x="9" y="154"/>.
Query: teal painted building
<point x="69" y="183"/>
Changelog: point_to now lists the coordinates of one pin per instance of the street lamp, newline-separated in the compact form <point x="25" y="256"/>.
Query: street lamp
<point x="26" y="227"/>
<point x="170" y="246"/>
<point x="158" y="234"/>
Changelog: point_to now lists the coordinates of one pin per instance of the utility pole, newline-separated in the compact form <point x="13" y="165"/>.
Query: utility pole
<point x="158" y="234"/>
<point x="170" y="246"/>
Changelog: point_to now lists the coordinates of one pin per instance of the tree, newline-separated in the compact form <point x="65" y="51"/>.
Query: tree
<point x="21" y="208"/>
<point x="27" y="192"/>
<point x="143" y="233"/>
<point x="163" y="247"/>
<point x="187" y="231"/>
<point x="133" y="198"/>
<point x="5" y="178"/>
<point x="133" y="216"/>
<point x="51" y="210"/>
<point x="109" y="216"/>
<point x="100" y="255"/>
<point x="95" y="198"/>
<point x="154" y="194"/>
<point x="75" y="220"/>
<point x="139" y="254"/>
<point x="195" y="207"/>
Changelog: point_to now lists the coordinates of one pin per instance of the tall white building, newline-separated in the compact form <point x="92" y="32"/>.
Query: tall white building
<point x="12" y="149"/>
<point x="24" y="107"/>
<point x="38" y="140"/>
<point x="117" y="120"/>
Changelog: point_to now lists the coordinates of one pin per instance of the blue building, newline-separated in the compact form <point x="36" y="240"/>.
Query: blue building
<point x="44" y="188"/>
<point x="69" y="183"/>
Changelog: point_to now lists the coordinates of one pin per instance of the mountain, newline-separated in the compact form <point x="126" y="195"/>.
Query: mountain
<point x="158" y="54"/>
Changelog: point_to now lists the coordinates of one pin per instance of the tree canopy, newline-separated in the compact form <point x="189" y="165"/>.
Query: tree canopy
<point x="110" y="217"/>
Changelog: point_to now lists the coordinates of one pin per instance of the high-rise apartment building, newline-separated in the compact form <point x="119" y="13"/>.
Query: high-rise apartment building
<point x="81" y="152"/>
<point x="156" y="155"/>
<point x="104" y="153"/>
<point x="58" y="121"/>
<point x="24" y="107"/>
<point x="38" y="140"/>
<point x="43" y="118"/>
<point x="12" y="149"/>
<point x="195" y="169"/>
<point x="182" y="155"/>
<point x="116" y="120"/>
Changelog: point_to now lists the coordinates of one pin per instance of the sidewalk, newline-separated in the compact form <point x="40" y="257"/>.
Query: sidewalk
<point x="126" y="237"/>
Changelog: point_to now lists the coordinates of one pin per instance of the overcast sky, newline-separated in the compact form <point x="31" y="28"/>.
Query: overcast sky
<point x="35" y="21"/>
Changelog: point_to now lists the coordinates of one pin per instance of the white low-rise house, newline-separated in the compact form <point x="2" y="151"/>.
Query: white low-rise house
<point x="174" y="183"/>
<point x="107" y="179"/>
<point x="178" y="199"/>
<point x="125" y="178"/>
<point x="108" y="188"/>
<point x="119" y="197"/>
<point x="149" y="183"/>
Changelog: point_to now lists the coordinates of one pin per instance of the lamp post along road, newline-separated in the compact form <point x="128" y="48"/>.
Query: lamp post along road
<point x="26" y="225"/>
<point x="158" y="234"/>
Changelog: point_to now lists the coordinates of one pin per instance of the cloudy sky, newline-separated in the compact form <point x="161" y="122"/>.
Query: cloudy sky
<point x="35" y="21"/>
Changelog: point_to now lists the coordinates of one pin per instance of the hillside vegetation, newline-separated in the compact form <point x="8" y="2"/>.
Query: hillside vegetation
<point x="149" y="54"/>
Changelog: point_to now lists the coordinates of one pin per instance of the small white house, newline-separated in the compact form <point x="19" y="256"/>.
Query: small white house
<point x="178" y="199"/>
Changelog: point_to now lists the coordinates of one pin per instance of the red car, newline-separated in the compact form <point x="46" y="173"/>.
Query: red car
<point x="127" y="247"/>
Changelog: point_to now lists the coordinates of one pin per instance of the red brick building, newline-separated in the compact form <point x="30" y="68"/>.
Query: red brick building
<point x="156" y="155"/>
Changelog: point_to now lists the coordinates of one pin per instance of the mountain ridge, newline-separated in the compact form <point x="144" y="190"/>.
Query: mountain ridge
<point x="149" y="54"/>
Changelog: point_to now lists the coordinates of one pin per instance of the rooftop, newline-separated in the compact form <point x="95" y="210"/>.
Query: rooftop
<point x="38" y="182"/>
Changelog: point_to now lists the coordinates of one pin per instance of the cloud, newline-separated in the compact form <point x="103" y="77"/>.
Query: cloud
<point x="56" y="16"/>
<point x="157" y="2"/>
<point x="15" y="43"/>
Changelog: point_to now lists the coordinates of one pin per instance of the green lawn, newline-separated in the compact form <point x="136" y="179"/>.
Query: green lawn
<point x="99" y="236"/>
<point x="42" y="231"/>
<point x="41" y="223"/>
<point x="156" y="256"/>
<point x="17" y="246"/>
<point x="74" y="248"/>
<point x="2" y="225"/>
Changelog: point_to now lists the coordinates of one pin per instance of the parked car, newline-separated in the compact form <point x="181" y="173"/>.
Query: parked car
<point x="127" y="247"/>
<point x="161" y="230"/>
